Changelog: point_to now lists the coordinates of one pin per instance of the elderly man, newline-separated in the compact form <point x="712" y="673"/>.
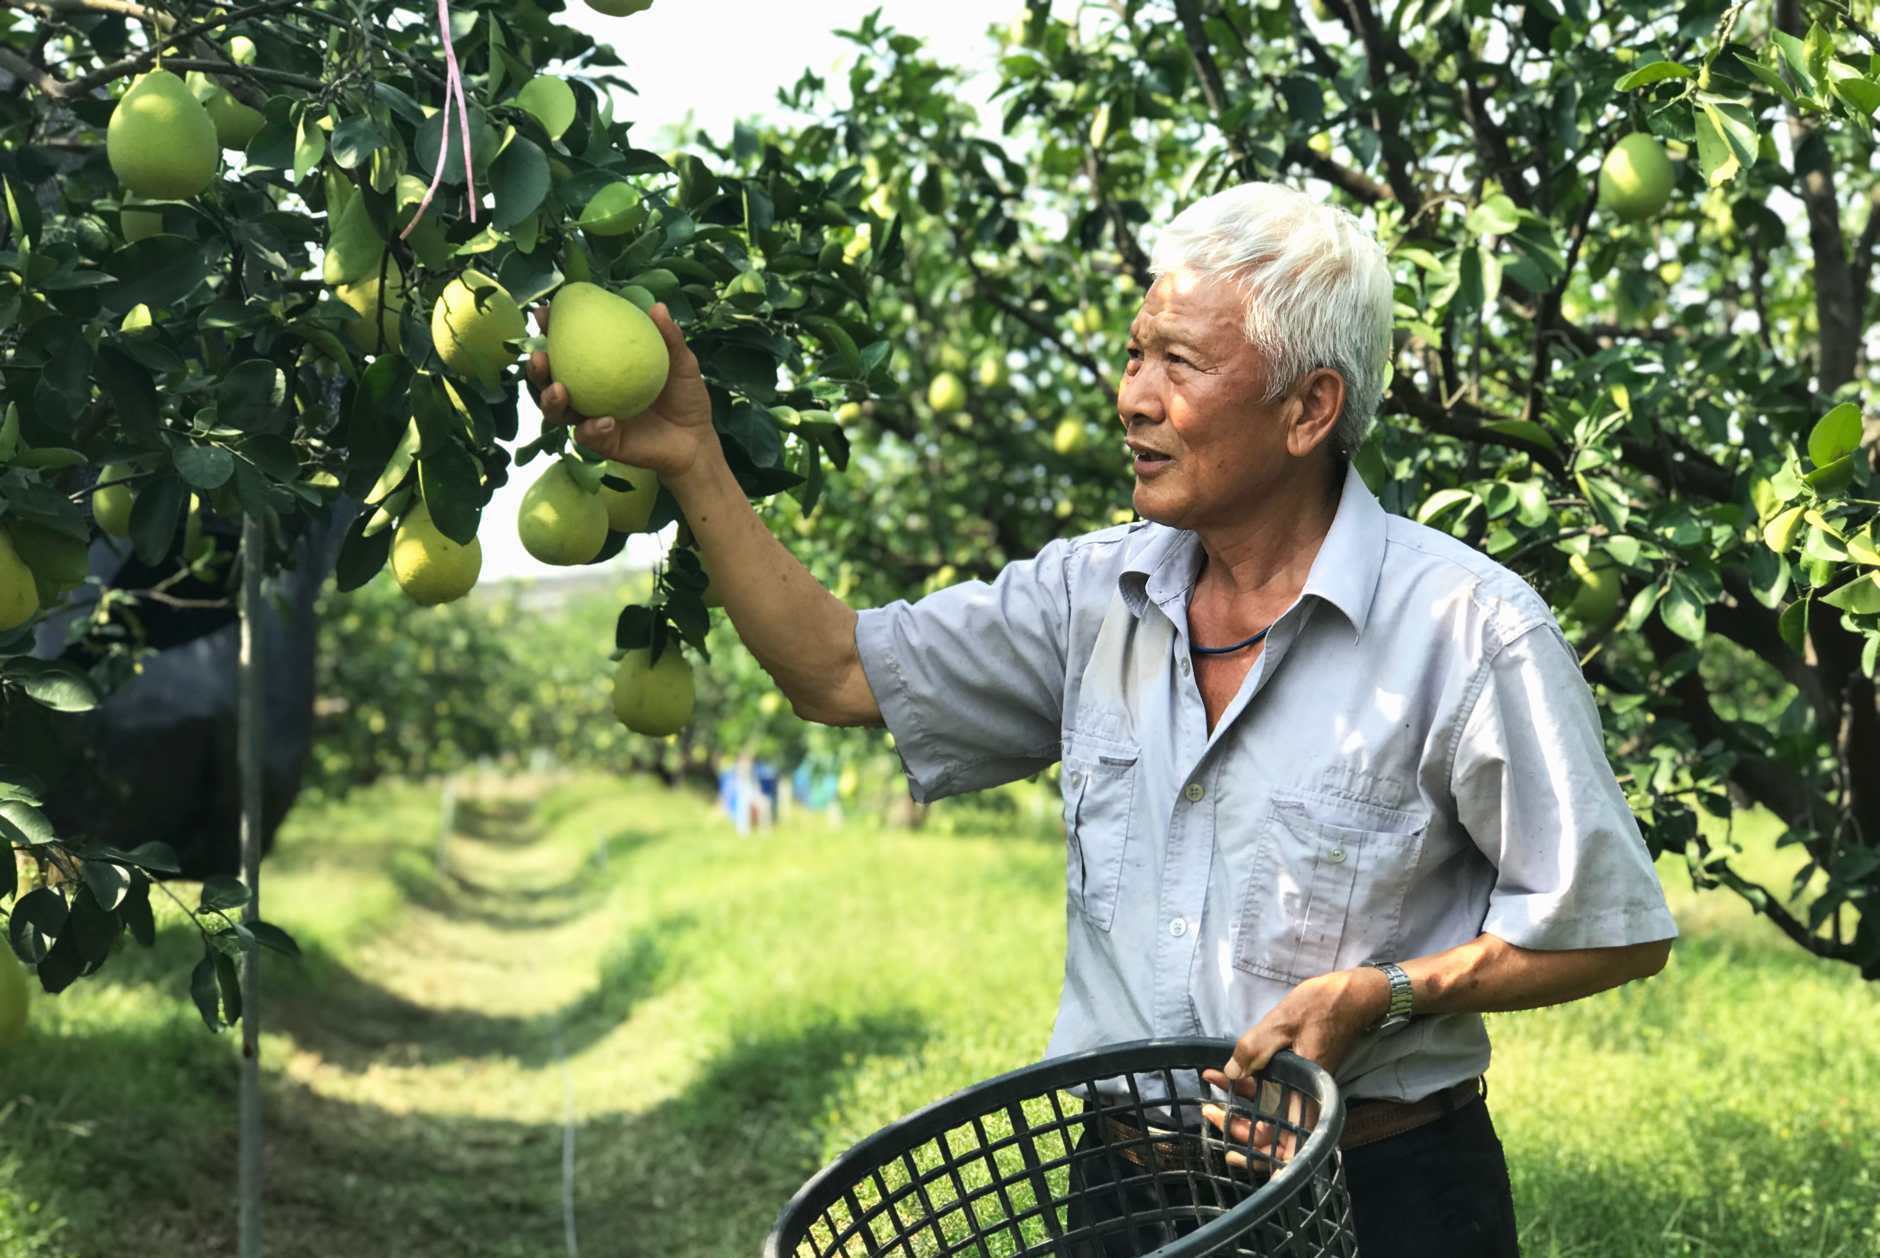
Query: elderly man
<point x="1332" y="780"/>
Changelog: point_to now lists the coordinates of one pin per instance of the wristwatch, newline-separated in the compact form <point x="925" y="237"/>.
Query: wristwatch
<point x="1399" y="1011"/>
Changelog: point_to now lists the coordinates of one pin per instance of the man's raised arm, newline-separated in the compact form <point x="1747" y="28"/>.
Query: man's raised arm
<point x="803" y="635"/>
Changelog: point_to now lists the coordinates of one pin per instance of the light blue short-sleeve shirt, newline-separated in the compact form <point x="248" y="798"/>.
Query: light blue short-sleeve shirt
<point x="1414" y="759"/>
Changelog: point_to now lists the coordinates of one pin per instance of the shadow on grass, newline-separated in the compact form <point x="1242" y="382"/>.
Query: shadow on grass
<point x="129" y="1147"/>
<point x="708" y="1171"/>
<point x="356" y="1024"/>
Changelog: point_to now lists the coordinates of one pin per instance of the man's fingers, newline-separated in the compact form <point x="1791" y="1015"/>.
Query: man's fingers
<point x="541" y="316"/>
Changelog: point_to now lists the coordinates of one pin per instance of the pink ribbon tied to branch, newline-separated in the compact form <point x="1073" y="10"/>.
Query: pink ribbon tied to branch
<point x="453" y="87"/>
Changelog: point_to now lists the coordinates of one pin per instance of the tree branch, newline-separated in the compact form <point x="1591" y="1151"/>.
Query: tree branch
<point x="144" y="60"/>
<point x="1213" y="90"/>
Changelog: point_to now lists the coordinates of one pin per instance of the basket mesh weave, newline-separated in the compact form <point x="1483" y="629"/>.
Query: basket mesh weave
<point x="1098" y="1155"/>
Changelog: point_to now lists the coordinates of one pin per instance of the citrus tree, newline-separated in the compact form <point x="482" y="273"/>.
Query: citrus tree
<point x="1634" y="249"/>
<point x="267" y="261"/>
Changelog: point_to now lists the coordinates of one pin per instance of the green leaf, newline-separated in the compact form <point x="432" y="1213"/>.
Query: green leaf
<point x="1835" y="434"/>
<point x="1861" y="596"/>
<point x="223" y="893"/>
<point x="202" y="990"/>
<point x="1727" y="140"/>
<point x="448" y="481"/>
<point x="133" y="395"/>
<point x="309" y="145"/>
<point x="157" y="857"/>
<point x="154" y="518"/>
<point x="1526" y="430"/>
<point x="203" y="466"/>
<point x="22" y="825"/>
<point x="160" y="271"/>
<point x="1793" y="623"/>
<point x="109" y="883"/>
<point x="273" y="938"/>
<point x="36" y="920"/>
<point x="1833" y="478"/>
<point x="1683" y="610"/>
<point x="1652" y="72"/>
<point x="519" y="181"/>
<point x="1860" y="93"/>
<point x="355" y="139"/>
<point x="53" y="684"/>
<point x="403" y="455"/>
<point x="136" y="912"/>
<point x="1779" y="534"/>
<point x="362" y="554"/>
<point x="1795" y="58"/>
<point x="228" y="979"/>
<point x="1497" y="216"/>
<point x="91" y="927"/>
<point x="1445" y="500"/>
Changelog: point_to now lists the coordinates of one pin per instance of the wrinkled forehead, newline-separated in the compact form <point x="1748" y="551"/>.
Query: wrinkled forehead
<point x="1184" y="304"/>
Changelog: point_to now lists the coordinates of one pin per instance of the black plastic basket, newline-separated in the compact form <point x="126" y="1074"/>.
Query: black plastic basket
<point x="1102" y="1154"/>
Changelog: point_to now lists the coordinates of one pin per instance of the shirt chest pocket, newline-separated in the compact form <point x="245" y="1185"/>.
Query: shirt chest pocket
<point x="1099" y="804"/>
<point x="1325" y="889"/>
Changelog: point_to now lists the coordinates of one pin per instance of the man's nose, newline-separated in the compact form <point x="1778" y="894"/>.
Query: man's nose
<point x="1139" y="399"/>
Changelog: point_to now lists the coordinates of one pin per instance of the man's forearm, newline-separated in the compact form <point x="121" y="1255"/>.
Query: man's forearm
<point x="803" y="635"/>
<point x="1491" y="975"/>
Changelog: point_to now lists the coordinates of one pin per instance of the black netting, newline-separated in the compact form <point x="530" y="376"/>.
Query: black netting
<point x="1100" y="1155"/>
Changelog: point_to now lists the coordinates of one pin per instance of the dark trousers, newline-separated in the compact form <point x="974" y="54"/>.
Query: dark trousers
<point x="1440" y="1191"/>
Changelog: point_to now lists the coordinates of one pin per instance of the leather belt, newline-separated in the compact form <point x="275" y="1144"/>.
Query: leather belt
<point x="1366" y="1122"/>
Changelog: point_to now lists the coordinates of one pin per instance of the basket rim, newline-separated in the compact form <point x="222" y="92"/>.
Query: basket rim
<point x="826" y="1187"/>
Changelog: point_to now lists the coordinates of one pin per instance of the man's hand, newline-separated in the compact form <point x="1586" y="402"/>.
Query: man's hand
<point x="673" y="437"/>
<point x="1321" y="1020"/>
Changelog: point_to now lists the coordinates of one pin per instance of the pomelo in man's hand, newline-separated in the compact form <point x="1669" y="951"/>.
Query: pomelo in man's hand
<point x="160" y="140"/>
<point x="653" y="698"/>
<point x="606" y="351"/>
<point x="473" y="318"/>
<point x="628" y="510"/>
<point x="430" y="567"/>
<point x="1635" y="179"/>
<point x="561" y="521"/>
<point x="19" y="593"/>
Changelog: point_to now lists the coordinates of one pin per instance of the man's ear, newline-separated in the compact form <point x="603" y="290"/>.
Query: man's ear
<point x="1313" y="415"/>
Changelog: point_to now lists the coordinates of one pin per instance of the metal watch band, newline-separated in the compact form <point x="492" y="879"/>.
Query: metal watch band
<point x="1400" y="993"/>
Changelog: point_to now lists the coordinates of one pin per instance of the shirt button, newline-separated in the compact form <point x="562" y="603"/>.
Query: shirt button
<point x="1184" y="668"/>
<point x="1194" y="792"/>
<point x="1336" y="856"/>
<point x="1178" y="927"/>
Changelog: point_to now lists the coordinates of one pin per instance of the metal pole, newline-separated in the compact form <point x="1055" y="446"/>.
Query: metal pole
<point x="249" y="744"/>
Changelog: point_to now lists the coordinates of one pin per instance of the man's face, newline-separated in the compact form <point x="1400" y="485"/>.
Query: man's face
<point x="1203" y="445"/>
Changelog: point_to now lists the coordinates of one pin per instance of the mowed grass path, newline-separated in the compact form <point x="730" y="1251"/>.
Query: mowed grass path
<point x="721" y="1016"/>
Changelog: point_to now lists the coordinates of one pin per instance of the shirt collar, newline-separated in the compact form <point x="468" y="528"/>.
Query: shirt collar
<point x="1344" y="573"/>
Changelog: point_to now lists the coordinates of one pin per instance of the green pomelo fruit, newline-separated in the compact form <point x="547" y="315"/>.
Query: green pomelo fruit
<point x="551" y="101"/>
<point x="160" y="140"/>
<point x="946" y="394"/>
<point x="653" y="698"/>
<point x="991" y="371"/>
<point x="848" y="413"/>
<point x="15" y="996"/>
<point x="628" y="510"/>
<point x="235" y="123"/>
<point x="241" y="50"/>
<point x="353" y="245"/>
<point x="58" y="562"/>
<point x="429" y="567"/>
<point x="613" y="211"/>
<point x="1596" y="601"/>
<point x="619" y="8"/>
<point x="139" y="224"/>
<point x="365" y="300"/>
<point x="472" y="319"/>
<point x="1072" y="437"/>
<point x="19" y="593"/>
<point x="560" y="522"/>
<point x="606" y="350"/>
<point x="111" y="506"/>
<point x="1635" y="179"/>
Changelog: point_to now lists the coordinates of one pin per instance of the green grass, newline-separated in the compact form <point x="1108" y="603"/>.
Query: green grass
<point x="726" y="1015"/>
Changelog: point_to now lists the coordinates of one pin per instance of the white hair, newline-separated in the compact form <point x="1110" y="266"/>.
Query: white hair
<point x="1317" y="284"/>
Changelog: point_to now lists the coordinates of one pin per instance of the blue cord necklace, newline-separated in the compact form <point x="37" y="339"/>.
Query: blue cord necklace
<point x="1226" y="650"/>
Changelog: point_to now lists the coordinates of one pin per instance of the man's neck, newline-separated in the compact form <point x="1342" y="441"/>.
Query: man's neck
<point x="1265" y="557"/>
